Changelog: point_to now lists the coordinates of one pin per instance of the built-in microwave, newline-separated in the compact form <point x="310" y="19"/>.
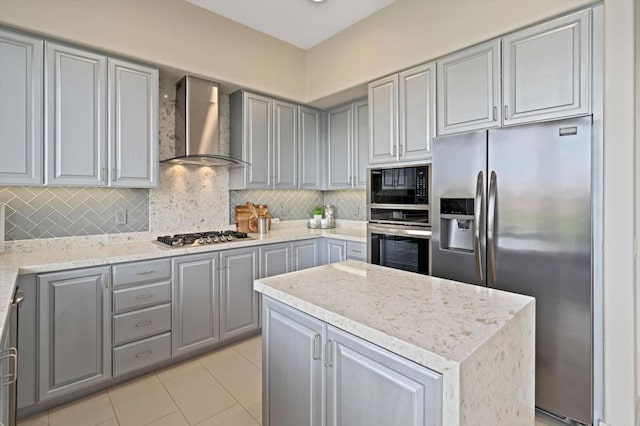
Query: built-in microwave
<point x="399" y="195"/>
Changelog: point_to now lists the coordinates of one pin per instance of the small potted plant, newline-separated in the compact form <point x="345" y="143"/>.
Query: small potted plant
<point x="317" y="213"/>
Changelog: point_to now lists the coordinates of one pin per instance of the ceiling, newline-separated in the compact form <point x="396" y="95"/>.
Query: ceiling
<point x="303" y="23"/>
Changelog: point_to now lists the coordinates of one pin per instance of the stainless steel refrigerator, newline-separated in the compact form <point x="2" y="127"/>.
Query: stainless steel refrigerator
<point x="512" y="210"/>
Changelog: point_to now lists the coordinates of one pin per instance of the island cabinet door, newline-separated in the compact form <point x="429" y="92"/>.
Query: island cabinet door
<point x="195" y="312"/>
<point x="238" y="301"/>
<point x="292" y="369"/>
<point x="74" y="331"/>
<point x="367" y="385"/>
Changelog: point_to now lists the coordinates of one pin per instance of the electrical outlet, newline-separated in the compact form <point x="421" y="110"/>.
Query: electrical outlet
<point x="121" y="217"/>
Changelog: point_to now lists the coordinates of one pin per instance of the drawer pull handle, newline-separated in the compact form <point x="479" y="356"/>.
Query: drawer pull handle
<point x="356" y="251"/>
<point x="11" y="354"/>
<point x="143" y="323"/>
<point x="150" y="271"/>
<point x="144" y="354"/>
<point x="144" y="296"/>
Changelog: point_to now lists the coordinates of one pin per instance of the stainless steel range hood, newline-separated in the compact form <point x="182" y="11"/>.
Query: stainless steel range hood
<point x="197" y="125"/>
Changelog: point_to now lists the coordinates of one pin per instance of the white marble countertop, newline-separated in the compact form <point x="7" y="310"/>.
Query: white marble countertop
<point x="438" y="323"/>
<point x="47" y="256"/>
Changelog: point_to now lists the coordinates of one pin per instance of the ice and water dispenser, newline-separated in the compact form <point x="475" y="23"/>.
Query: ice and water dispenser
<point x="457" y="226"/>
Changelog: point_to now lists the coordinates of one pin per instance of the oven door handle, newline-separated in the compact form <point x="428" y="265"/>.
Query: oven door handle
<point x="400" y="231"/>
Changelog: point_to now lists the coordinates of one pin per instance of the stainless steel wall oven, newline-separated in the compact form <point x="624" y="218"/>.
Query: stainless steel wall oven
<point x="399" y="218"/>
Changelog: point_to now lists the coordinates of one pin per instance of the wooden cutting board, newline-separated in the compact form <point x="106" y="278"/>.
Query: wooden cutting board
<point x="247" y="216"/>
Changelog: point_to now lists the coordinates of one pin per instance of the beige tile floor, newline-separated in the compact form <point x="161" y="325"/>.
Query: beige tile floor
<point x="221" y="388"/>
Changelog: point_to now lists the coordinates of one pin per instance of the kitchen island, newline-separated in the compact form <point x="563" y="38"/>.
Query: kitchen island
<point x="364" y="344"/>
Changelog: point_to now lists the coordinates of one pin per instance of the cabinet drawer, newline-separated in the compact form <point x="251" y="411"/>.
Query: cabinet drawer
<point x="356" y="251"/>
<point x="139" y="272"/>
<point x="141" y="354"/>
<point x="142" y="323"/>
<point x="141" y="296"/>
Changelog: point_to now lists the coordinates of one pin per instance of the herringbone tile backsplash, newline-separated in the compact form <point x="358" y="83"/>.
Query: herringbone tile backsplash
<point x="38" y="212"/>
<point x="295" y="205"/>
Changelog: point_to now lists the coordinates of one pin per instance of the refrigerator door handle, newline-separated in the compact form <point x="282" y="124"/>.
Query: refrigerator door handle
<point x="477" y="220"/>
<point x="491" y="227"/>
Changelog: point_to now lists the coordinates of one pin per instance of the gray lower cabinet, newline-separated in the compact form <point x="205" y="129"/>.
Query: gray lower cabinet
<point x="368" y="385"/>
<point x="316" y="374"/>
<point x="336" y="251"/>
<point x="196" y="292"/>
<point x="21" y="138"/>
<point x="74" y="330"/>
<point x="305" y="254"/>
<point x="239" y="304"/>
<point x="28" y="341"/>
<point x="293" y="389"/>
<point x="5" y="373"/>
<point x="275" y="259"/>
<point x="356" y="251"/>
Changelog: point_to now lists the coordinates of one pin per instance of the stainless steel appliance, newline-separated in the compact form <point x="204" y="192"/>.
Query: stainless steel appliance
<point x="398" y="214"/>
<point x="512" y="210"/>
<point x="201" y="238"/>
<point x="197" y="125"/>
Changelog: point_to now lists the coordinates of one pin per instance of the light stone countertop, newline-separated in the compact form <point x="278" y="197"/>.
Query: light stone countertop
<point x="58" y="254"/>
<point x="453" y="328"/>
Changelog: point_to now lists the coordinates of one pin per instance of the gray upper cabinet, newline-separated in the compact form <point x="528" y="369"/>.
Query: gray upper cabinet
<point x="238" y="302"/>
<point x="293" y="389"/>
<point x="361" y="144"/>
<point x="339" y="147"/>
<point x="367" y="385"/>
<point x="74" y="330"/>
<point x="546" y="70"/>
<point x="417" y="111"/>
<point x="383" y="117"/>
<point x="21" y="137"/>
<point x="311" y="160"/>
<point x="196" y="291"/>
<point x="251" y="140"/>
<point x="347" y="145"/>
<point x="133" y="125"/>
<point x="285" y="145"/>
<point x="76" y="117"/>
<point x="264" y="132"/>
<point x="468" y="95"/>
<point x="402" y="116"/>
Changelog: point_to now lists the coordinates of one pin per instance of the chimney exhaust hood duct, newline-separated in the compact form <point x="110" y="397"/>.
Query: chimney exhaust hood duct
<point x="197" y="125"/>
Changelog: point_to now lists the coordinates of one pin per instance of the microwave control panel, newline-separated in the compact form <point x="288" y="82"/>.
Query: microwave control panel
<point x="422" y="185"/>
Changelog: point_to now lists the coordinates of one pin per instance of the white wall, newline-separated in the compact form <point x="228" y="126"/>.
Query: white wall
<point x="409" y="32"/>
<point x="171" y="33"/>
<point x="619" y="286"/>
